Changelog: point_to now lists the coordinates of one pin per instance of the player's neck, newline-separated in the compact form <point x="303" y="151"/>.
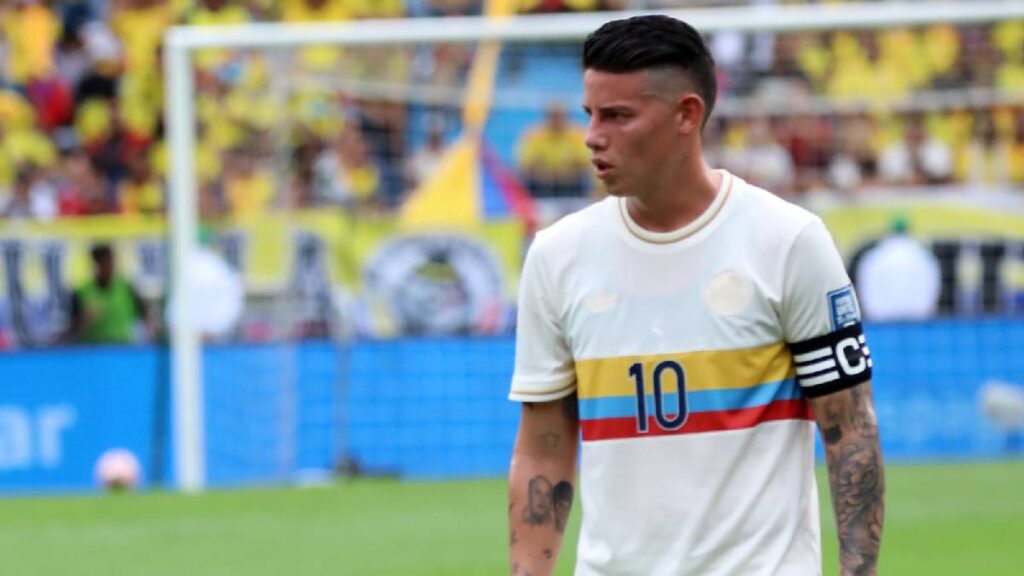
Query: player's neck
<point x="677" y="201"/>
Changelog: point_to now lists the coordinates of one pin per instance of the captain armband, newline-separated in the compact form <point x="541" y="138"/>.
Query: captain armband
<point x="832" y="362"/>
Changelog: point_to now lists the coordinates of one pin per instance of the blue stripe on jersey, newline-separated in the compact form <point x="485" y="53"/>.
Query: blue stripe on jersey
<point x="698" y="400"/>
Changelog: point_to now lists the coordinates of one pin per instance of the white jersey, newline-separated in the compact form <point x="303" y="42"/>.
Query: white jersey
<point x="693" y="354"/>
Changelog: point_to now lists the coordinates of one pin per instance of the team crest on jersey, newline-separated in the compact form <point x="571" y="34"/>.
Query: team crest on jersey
<point x="843" y="305"/>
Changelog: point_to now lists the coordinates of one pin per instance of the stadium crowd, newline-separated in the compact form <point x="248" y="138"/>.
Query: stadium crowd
<point x="81" y="98"/>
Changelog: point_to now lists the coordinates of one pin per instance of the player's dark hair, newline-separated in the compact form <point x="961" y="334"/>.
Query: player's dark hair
<point x="651" y="42"/>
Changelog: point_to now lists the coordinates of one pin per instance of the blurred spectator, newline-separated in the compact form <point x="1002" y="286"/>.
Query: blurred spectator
<point x="553" y="158"/>
<point x="140" y="192"/>
<point x="31" y="30"/>
<point x="248" y="183"/>
<point x="214" y="13"/>
<point x="31" y="197"/>
<point x="1017" y="147"/>
<point x="349" y="173"/>
<point x="107" y="308"/>
<point x="453" y="7"/>
<point x="317" y="58"/>
<point x="140" y="25"/>
<point x="81" y="190"/>
<point x="854" y="163"/>
<point x="988" y="159"/>
<point x="378" y="8"/>
<point x="538" y="6"/>
<point x="807" y="138"/>
<point x="423" y="162"/>
<point x="898" y="279"/>
<point x="916" y="160"/>
<point x="765" y="162"/>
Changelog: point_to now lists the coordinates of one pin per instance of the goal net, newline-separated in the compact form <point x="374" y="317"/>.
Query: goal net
<point x="374" y="184"/>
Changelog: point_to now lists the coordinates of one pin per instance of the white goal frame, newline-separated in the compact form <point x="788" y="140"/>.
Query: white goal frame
<point x="181" y="42"/>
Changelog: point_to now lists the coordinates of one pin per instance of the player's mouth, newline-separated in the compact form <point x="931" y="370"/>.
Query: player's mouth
<point x="602" y="168"/>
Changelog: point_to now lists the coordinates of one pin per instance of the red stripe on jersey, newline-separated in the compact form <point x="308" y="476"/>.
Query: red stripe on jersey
<point x="716" y="421"/>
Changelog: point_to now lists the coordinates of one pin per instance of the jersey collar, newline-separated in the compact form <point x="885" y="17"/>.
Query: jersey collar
<point x="686" y="231"/>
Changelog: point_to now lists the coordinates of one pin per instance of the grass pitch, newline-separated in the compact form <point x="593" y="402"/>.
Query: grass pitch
<point x="950" y="519"/>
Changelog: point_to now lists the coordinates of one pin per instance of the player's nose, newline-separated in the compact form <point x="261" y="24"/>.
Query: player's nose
<point x="595" y="140"/>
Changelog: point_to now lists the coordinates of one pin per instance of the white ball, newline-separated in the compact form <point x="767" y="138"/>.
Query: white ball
<point x="117" y="469"/>
<point x="1003" y="403"/>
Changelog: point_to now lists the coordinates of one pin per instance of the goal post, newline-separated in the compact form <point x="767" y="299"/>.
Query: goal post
<point x="182" y="43"/>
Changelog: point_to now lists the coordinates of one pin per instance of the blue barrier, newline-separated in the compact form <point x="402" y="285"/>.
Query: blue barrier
<point x="423" y="408"/>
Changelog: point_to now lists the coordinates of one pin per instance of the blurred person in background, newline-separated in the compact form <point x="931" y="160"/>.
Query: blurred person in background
<point x="1017" y="147"/>
<point x="453" y="7"/>
<point x="899" y="278"/>
<point x="988" y="161"/>
<point x="31" y="197"/>
<point x="918" y="159"/>
<point x="347" y="171"/>
<point x="140" y="192"/>
<point x="553" y="158"/>
<point x="422" y="163"/>
<point x="765" y="162"/>
<point x="81" y="189"/>
<point x="31" y="31"/>
<point x="248" y="183"/>
<point x="853" y="164"/>
<point x="106" y="309"/>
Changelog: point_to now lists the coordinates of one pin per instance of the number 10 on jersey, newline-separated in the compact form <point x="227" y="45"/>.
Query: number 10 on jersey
<point x="668" y="415"/>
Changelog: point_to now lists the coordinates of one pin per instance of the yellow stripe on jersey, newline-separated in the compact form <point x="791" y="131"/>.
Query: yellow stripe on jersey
<point x="704" y="370"/>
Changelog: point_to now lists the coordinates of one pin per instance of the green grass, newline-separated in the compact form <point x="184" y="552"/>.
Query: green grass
<point x="953" y="519"/>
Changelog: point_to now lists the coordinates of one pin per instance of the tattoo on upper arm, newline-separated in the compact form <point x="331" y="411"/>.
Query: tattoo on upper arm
<point x="547" y="503"/>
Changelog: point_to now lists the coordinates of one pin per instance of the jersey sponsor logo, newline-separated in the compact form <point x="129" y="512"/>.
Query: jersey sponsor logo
<point x="843" y="307"/>
<point x="832" y="362"/>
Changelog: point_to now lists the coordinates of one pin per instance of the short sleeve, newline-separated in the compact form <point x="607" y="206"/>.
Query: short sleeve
<point x="821" y="317"/>
<point x="544" y="368"/>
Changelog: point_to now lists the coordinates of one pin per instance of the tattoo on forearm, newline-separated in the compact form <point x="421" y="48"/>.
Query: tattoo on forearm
<point x="857" y="482"/>
<point x="548" y="553"/>
<point x="832" y="435"/>
<point x="561" y="503"/>
<point x="547" y="503"/>
<point x="548" y="440"/>
<point x="512" y="539"/>
<point x="538" y="501"/>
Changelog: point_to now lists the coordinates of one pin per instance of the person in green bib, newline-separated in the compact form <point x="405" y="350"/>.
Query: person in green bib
<point x="106" y="309"/>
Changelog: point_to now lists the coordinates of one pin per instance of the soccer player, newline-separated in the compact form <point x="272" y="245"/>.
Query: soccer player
<point x="690" y="328"/>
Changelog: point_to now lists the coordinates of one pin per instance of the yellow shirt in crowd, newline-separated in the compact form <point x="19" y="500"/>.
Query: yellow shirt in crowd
<point x="250" y="195"/>
<point x="211" y="58"/>
<point x="31" y="32"/>
<point x="552" y="153"/>
<point x="140" y="197"/>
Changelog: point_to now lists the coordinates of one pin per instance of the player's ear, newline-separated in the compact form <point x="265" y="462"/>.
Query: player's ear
<point x="689" y="113"/>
